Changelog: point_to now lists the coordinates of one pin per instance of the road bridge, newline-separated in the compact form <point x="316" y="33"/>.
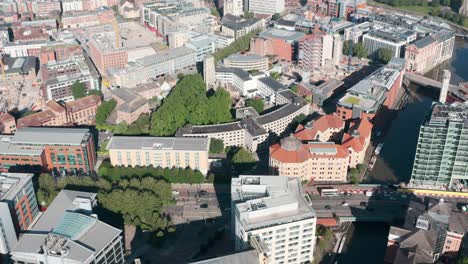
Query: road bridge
<point x="457" y="91"/>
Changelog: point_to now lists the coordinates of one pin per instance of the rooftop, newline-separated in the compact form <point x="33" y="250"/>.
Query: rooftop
<point x="282" y="34"/>
<point x="51" y="136"/>
<point x="67" y="229"/>
<point x="12" y="183"/>
<point x="159" y="143"/>
<point x="245" y="57"/>
<point x="441" y="114"/>
<point x="272" y="83"/>
<point x="292" y="150"/>
<point x="262" y="201"/>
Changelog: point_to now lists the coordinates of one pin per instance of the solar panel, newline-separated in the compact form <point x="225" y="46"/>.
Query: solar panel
<point x="73" y="225"/>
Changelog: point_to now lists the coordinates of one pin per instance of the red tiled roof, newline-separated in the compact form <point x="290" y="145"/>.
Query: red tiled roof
<point x="303" y="152"/>
<point x="83" y="103"/>
<point x="364" y="127"/>
<point x="5" y="117"/>
<point x="320" y="125"/>
<point x="37" y="119"/>
<point x="329" y="221"/>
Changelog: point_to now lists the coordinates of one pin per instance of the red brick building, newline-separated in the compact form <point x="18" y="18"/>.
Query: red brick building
<point x="58" y="150"/>
<point x="277" y="42"/>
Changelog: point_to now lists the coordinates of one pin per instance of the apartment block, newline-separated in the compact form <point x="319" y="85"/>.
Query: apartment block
<point x="161" y="152"/>
<point x="270" y="214"/>
<point x="315" y="49"/>
<point x="81" y="19"/>
<point x="46" y="7"/>
<point x="388" y="37"/>
<point x="233" y="7"/>
<point x="105" y="54"/>
<point x="78" y="112"/>
<point x="313" y="161"/>
<point x="59" y="150"/>
<point x="254" y="132"/>
<point x="441" y="159"/>
<point x="68" y="230"/>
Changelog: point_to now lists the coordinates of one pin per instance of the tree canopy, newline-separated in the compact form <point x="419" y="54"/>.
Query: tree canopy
<point x="240" y="44"/>
<point x="384" y="55"/>
<point x="78" y="90"/>
<point x="104" y="110"/>
<point x="216" y="146"/>
<point x="188" y="103"/>
<point x="256" y="103"/>
<point x="360" y="51"/>
<point x="276" y="16"/>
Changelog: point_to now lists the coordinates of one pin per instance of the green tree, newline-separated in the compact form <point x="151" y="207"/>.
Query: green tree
<point x="256" y="103"/>
<point x="294" y="88"/>
<point x="276" y="16"/>
<point x="462" y="259"/>
<point x="384" y="55"/>
<point x="104" y="110"/>
<point x="242" y="156"/>
<point x="95" y="92"/>
<point x="240" y="44"/>
<point x="216" y="146"/>
<point x="360" y="51"/>
<point x="180" y="75"/>
<point x="248" y="15"/>
<point x="78" y="90"/>
<point x="348" y="46"/>
<point x="214" y="11"/>
<point x="275" y="75"/>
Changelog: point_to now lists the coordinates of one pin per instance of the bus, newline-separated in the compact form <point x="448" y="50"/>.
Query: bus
<point x="324" y="192"/>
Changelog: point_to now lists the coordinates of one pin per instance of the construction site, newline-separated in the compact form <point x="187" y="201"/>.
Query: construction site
<point x="19" y="88"/>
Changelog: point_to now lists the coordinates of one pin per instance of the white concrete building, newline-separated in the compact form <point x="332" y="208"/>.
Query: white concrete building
<point x="233" y="7"/>
<point x="271" y="214"/>
<point x="203" y="46"/>
<point x="266" y="6"/>
<point x="72" y="5"/>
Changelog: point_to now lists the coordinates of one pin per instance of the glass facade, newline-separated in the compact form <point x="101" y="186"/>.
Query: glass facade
<point x="441" y="159"/>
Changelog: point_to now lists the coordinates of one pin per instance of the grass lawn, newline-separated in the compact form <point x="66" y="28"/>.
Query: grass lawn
<point x="417" y="9"/>
<point x="352" y="100"/>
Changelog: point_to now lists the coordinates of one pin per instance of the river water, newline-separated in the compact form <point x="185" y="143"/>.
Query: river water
<point x="367" y="241"/>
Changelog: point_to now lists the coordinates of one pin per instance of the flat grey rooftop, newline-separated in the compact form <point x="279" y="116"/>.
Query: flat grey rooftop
<point x="162" y="143"/>
<point x="50" y="136"/>
<point x="272" y="83"/>
<point x="12" y="183"/>
<point x="282" y="34"/>
<point x="245" y="57"/>
<point x="244" y="257"/>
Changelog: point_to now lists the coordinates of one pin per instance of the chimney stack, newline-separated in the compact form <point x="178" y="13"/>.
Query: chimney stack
<point x="445" y="87"/>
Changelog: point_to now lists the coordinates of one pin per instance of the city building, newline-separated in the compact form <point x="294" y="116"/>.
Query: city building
<point x="164" y="152"/>
<point x="247" y="62"/>
<point x="356" y="32"/>
<point x="365" y="98"/>
<point x="8" y="237"/>
<point x="238" y="79"/>
<point x="388" y="37"/>
<point x="233" y="7"/>
<point x="337" y="49"/>
<point x="326" y="128"/>
<point x="7" y="123"/>
<point x="277" y="42"/>
<point x="72" y="5"/>
<point x="254" y="132"/>
<point x="164" y="63"/>
<point x="441" y="159"/>
<point x="17" y="192"/>
<point x="357" y="141"/>
<point x="105" y="54"/>
<point x="268" y="7"/>
<point x="59" y="76"/>
<point x="320" y="93"/>
<point x="315" y="49"/>
<point x="250" y="256"/>
<point x="432" y="230"/>
<point x="25" y="48"/>
<point x="270" y="214"/>
<point x="60" y="150"/>
<point x="69" y="232"/>
<point x="130" y="106"/>
<point x="203" y="45"/>
<point x="19" y="69"/>
<point x="78" y="112"/>
<point x="25" y="34"/>
<point x="166" y="17"/>
<point x="426" y="53"/>
<point x="312" y="161"/>
<point x="46" y="8"/>
<point x="82" y="19"/>
<point x="60" y="51"/>
<point x="129" y="10"/>
<point x="236" y="26"/>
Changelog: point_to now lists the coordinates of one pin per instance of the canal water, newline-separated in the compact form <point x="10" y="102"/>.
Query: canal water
<point x="367" y="241"/>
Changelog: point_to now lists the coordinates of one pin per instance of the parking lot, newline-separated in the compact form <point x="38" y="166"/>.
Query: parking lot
<point x="195" y="203"/>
